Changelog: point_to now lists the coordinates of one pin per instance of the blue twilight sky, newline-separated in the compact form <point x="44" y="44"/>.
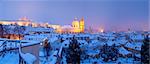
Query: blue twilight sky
<point x="109" y="14"/>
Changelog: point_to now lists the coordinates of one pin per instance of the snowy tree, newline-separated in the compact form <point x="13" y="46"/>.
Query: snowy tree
<point x="1" y="30"/>
<point x="74" y="52"/>
<point x="145" y="51"/>
<point x="19" y="30"/>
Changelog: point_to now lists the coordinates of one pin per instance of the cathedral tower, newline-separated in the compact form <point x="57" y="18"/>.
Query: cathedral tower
<point x="82" y="25"/>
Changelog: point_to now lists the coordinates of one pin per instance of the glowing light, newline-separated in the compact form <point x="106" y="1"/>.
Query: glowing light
<point x="101" y="30"/>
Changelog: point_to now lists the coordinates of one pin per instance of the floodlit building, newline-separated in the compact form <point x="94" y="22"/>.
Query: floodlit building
<point x="14" y="32"/>
<point x="82" y="25"/>
<point x="21" y="22"/>
<point x="75" y="23"/>
<point x="76" y="27"/>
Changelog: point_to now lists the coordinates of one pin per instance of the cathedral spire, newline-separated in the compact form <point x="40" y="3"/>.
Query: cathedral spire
<point x="82" y="24"/>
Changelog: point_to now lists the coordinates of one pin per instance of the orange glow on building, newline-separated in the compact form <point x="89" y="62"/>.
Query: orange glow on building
<point x="22" y="22"/>
<point x="82" y="25"/>
<point x="101" y="30"/>
<point x="34" y="25"/>
<point x="58" y="30"/>
<point x="76" y="27"/>
<point x="75" y="24"/>
<point x="54" y="26"/>
<point x="13" y="36"/>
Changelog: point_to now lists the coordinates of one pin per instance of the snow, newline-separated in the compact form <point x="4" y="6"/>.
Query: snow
<point x="10" y="58"/>
<point x="53" y="58"/>
<point x="39" y="29"/>
<point x="56" y="45"/>
<point x="97" y="43"/>
<point x="82" y="42"/>
<point x="28" y="58"/>
<point x="90" y="48"/>
<point x="35" y="37"/>
<point x="15" y="43"/>
<point x="125" y="60"/>
<point x="1" y="43"/>
<point x="41" y="53"/>
<point x="65" y="44"/>
<point x="119" y="42"/>
<point x="129" y="45"/>
<point x="110" y="43"/>
<point x="137" y="37"/>
<point x="67" y="27"/>
<point x="53" y="39"/>
<point x="123" y="51"/>
<point x="138" y="55"/>
<point x="60" y="51"/>
<point x="92" y="52"/>
<point x="30" y="43"/>
<point x="134" y="45"/>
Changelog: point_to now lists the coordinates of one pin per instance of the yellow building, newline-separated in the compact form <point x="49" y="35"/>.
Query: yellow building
<point x="82" y="25"/>
<point x="76" y="27"/>
<point x="75" y="23"/>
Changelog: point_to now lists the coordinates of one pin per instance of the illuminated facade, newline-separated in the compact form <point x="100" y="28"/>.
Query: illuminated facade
<point x="76" y="27"/>
<point x="54" y="26"/>
<point x="82" y="25"/>
<point x="75" y="23"/>
<point x="21" y="22"/>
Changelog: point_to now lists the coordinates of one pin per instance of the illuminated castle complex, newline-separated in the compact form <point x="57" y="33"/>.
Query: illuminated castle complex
<point x="76" y="27"/>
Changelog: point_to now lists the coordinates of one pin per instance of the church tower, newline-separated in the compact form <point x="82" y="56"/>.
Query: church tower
<point x="82" y="25"/>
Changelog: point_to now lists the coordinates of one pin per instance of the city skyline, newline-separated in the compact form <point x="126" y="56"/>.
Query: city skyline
<point x="108" y="14"/>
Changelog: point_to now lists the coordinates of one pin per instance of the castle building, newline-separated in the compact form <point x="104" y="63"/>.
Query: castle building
<point x="21" y="22"/>
<point x="76" y="27"/>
